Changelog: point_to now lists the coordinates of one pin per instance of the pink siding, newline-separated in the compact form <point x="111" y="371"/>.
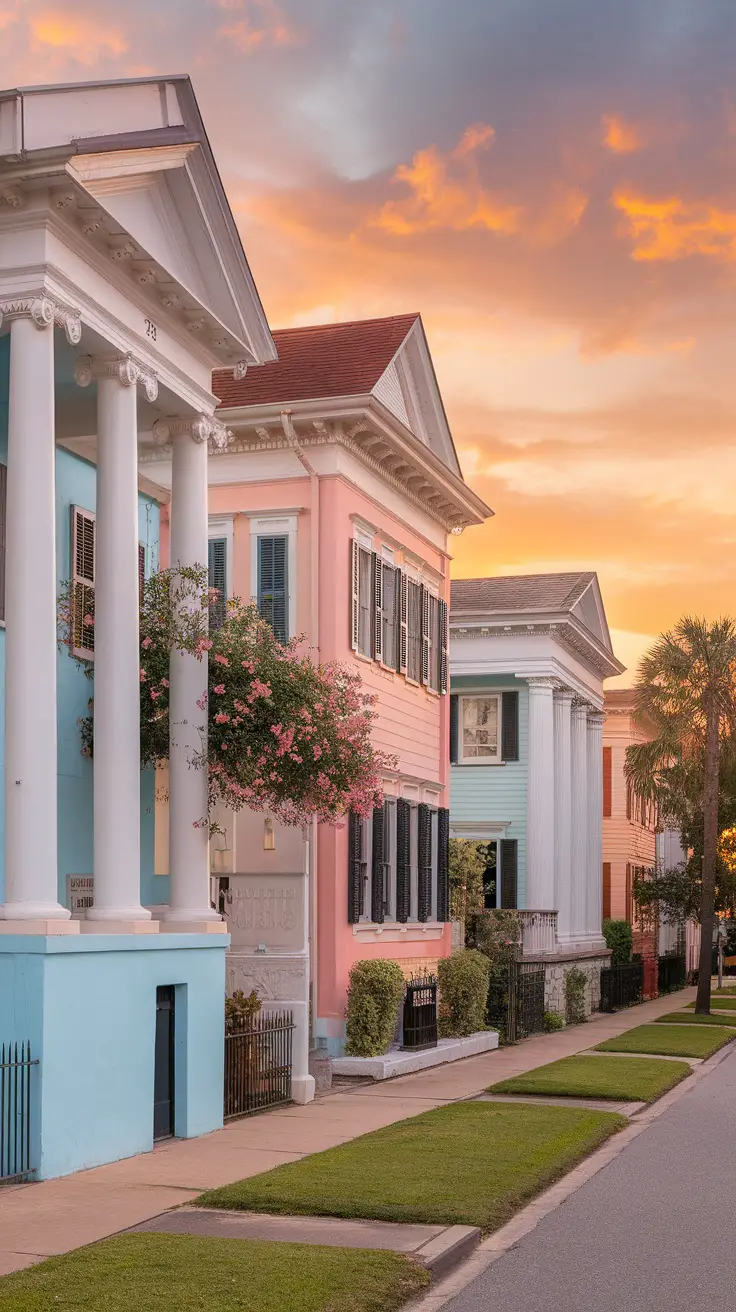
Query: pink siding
<point x="625" y="841"/>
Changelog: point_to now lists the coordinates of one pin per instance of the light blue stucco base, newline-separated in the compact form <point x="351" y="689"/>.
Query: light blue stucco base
<point x="330" y="1033"/>
<point x="87" y="1004"/>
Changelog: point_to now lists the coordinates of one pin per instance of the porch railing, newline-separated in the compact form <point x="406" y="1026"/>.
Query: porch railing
<point x="622" y="986"/>
<point x="258" y="1065"/>
<point x="16" y="1068"/>
<point x="538" y="932"/>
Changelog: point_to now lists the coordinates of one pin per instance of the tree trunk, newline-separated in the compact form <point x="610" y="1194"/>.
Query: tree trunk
<point x="710" y="848"/>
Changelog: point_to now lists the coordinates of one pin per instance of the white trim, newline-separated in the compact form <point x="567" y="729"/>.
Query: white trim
<point x="481" y="830"/>
<point x="395" y="932"/>
<point x="221" y="526"/>
<point x="362" y="538"/>
<point x="479" y="760"/>
<point x="276" y="523"/>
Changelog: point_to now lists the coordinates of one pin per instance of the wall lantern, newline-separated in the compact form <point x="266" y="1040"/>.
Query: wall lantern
<point x="269" y="840"/>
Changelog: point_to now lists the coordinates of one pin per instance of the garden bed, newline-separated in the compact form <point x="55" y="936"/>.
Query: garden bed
<point x="180" y="1273"/>
<point x="469" y="1163"/>
<point x="626" y="1079"/>
<point x="670" y="1040"/>
<point x="400" y="1061"/>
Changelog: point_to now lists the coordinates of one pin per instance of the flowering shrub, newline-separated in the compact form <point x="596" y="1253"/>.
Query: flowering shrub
<point x="283" y="734"/>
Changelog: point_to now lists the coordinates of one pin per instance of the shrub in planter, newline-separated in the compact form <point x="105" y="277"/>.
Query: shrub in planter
<point x="374" y="993"/>
<point x="463" y="988"/>
<point x="553" y="1021"/>
<point x="575" y="982"/>
<point x="619" y="938"/>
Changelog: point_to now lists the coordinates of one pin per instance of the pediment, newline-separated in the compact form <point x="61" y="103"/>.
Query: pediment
<point x="408" y="388"/>
<point x="588" y="610"/>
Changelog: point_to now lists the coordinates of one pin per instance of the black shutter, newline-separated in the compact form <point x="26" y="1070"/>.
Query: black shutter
<point x="354" y="591"/>
<point x="444" y="654"/>
<point x="273" y="584"/>
<point x="377" y="867"/>
<point x="424" y="651"/>
<point x="510" y="726"/>
<point x="3" y="504"/>
<point x="509" y="873"/>
<point x="216" y="557"/>
<point x="454" y="709"/>
<point x="443" y="864"/>
<point x="403" y="860"/>
<point x="355" y="873"/>
<point x="425" y="863"/>
<point x="377" y="572"/>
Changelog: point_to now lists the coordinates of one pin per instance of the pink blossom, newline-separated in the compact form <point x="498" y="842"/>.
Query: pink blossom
<point x="147" y="642"/>
<point x="164" y="683"/>
<point x="88" y="620"/>
<point x="222" y="718"/>
<point x="154" y="694"/>
<point x="202" y="701"/>
<point x="143" y="676"/>
<point x="219" y="688"/>
<point x="221" y="660"/>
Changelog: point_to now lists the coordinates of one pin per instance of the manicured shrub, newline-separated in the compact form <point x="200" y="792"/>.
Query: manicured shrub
<point x="375" y="990"/>
<point x="575" y="982"/>
<point x="240" y="1011"/>
<point x="553" y="1021"/>
<point x="619" y="938"/>
<point x="463" y="988"/>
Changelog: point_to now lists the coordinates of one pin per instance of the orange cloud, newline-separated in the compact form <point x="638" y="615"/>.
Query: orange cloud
<point x="674" y="229"/>
<point x="447" y="192"/>
<point x="620" y="137"/>
<point x="267" y="26"/>
<point x="84" y="39"/>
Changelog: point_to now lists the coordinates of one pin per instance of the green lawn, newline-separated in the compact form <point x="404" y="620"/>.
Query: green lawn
<point x="181" y="1273"/>
<point x="625" y="1078"/>
<point x="727" y="989"/>
<point x="716" y="1003"/>
<point x="689" y="1018"/>
<point x="669" y="1040"/>
<point x="469" y="1163"/>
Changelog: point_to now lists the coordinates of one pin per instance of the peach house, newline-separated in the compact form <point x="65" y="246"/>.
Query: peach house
<point x="629" y="822"/>
<point x="333" y="506"/>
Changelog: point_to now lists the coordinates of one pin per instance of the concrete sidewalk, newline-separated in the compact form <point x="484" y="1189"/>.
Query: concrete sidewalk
<point x="55" y="1216"/>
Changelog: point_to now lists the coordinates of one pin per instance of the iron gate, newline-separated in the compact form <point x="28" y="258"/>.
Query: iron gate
<point x="622" y="986"/>
<point x="258" y="1065"/>
<point x="420" y="1014"/>
<point x="516" y="1001"/>
<point x="16" y="1065"/>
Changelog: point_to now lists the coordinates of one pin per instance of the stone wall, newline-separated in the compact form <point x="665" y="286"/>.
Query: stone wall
<point x="554" y="980"/>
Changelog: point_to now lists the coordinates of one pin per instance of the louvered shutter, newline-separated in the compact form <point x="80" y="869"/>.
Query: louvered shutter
<point x="355" y="873"/>
<point x="403" y="860"/>
<point x="377" y="572"/>
<point x="606" y="890"/>
<point x="510" y="726"/>
<point x="141" y="571"/>
<point x="403" y="622"/>
<point x="443" y="864"/>
<point x="3" y="507"/>
<point x="509" y="873"/>
<point x="273" y="592"/>
<point x="425" y="863"/>
<point x="454" y="718"/>
<point x="444" y="642"/>
<point x="607" y="780"/>
<point x="377" y="866"/>
<point x="216" y="576"/>
<point x="424" y="653"/>
<point x="83" y="581"/>
<point x="355" y="594"/>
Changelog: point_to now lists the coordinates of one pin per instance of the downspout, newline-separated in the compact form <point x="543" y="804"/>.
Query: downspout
<point x="290" y="434"/>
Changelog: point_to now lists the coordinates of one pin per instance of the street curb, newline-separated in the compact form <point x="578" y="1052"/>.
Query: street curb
<point x="443" y="1254"/>
<point x="499" y="1243"/>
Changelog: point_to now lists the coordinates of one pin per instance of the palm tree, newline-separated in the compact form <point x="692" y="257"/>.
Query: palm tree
<point x="686" y="689"/>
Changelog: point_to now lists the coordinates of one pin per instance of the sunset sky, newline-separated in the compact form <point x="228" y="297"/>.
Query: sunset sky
<point x="552" y="183"/>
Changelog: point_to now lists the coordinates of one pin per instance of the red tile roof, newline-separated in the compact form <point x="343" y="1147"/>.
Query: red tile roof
<point x="324" y="360"/>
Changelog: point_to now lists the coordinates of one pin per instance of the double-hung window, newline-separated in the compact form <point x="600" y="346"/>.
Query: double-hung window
<point x="414" y="631"/>
<point x="479" y="738"/>
<point x="390" y="603"/>
<point x="434" y="643"/>
<point x="396" y="619"/>
<point x="398" y="864"/>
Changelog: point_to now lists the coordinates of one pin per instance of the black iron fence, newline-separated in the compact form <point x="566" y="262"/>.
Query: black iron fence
<point x="671" y="973"/>
<point x="258" y="1065"/>
<point x="420" y="1014"/>
<point x="516" y="1001"/>
<point x="622" y="986"/>
<point x="16" y="1067"/>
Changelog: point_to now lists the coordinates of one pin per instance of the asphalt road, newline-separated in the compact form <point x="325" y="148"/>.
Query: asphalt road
<point x="654" y="1231"/>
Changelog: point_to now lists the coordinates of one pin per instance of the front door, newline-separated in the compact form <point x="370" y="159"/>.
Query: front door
<point x="163" y="1074"/>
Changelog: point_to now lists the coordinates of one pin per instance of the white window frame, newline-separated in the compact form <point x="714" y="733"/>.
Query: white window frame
<point x="479" y="760"/>
<point x="274" y="524"/>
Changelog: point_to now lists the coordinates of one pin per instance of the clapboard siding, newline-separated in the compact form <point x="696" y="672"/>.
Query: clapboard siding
<point x="407" y="722"/>
<point x="388" y="392"/>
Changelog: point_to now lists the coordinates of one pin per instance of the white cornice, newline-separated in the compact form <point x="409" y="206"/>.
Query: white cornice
<point x="565" y="629"/>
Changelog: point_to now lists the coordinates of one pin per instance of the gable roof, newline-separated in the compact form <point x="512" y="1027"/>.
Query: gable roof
<point x="525" y="593"/>
<point x="319" y="361"/>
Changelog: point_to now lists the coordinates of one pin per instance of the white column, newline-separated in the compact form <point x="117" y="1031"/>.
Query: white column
<point x="594" y="899"/>
<point x="540" y="816"/>
<point x="579" y="818"/>
<point x="117" y="752"/>
<point x="31" y="875"/>
<point x="189" y="864"/>
<point x="563" y="817"/>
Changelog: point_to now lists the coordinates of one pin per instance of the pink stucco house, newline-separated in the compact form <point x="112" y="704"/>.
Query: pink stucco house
<point x="333" y="506"/>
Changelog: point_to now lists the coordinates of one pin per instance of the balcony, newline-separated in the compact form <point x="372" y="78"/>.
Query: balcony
<point x="538" y="933"/>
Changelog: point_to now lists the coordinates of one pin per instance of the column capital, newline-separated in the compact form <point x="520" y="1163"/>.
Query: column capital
<point x="200" y="428"/>
<point x="580" y="705"/>
<point x="45" y="313"/>
<point x="542" y="681"/>
<point x="565" y="695"/>
<point x="127" y="371"/>
<point x="596" y="719"/>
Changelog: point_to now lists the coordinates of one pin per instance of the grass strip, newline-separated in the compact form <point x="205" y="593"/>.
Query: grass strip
<point x="628" y="1079"/>
<point x="470" y="1163"/>
<point x="716" y="1004"/>
<point x="670" y="1040"/>
<point x="183" y="1273"/>
<point x="689" y="1018"/>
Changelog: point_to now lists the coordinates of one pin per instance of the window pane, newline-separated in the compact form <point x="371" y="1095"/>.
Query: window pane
<point x="479" y="727"/>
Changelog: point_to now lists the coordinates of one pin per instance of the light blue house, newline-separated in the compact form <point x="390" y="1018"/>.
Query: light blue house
<point x="123" y="285"/>
<point x="528" y="656"/>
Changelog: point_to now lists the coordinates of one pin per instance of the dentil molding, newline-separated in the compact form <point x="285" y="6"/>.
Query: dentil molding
<point x="200" y="428"/>
<point x="45" y="313"/>
<point x="124" y="368"/>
